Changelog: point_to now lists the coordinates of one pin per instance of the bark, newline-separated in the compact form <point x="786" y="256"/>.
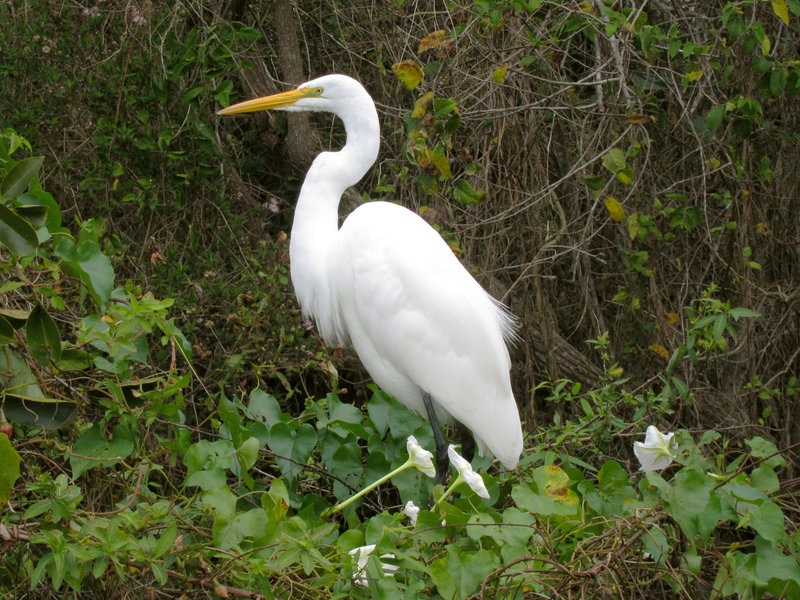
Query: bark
<point x="302" y="142"/>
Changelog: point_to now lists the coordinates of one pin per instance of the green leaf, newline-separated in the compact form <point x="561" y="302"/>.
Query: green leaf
<point x="89" y="263"/>
<point x="9" y="468"/>
<point x="444" y="107"/>
<point x="674" y="47"/>
<point x="159" y="572"/>
<point x="595" y="183"/>
<point x="438" y="158"/>
<point x="765" y="517"/>
<point x="98" y="270"/>
<point x="247" y="453"/>
<point x="99" y="451"/>
<point x="341" y="411"/>
<point x="552" y="496"/>
<point x="777" y="81"/>
<point x="37" y="410"/>
<point x="720" y="323"/>
<point x="346" y="465"/>
<point x="775" y="566"/>
<point x="192" y="93"/>
<point x="17" y="378"/>
<point x="293" y="448"/>
<point x="206" y="463"/>
<point x="688" y="498"/>
<point x="43" y="201"/>
<point x="615" y="495"/>
<point x="248" y="525"/>
<point x="764" y="449"/>
<point x="230" y="527"/>
<point x="765" y="479"/>
<point x="656" y="543"/>
<point x="20" y="176"/>
<point x="614" y="160"/>
<point x="44" y="341"/>
<point x="461" y="572"/>
<point x="739" y="312"/>
<point x="16" y="233"/>
<point x="380" y="410"/>
<point x="6" y="331"/>
<point x="35" y="214"/>
<point x="520" y="526"/>
<point x="714" y="117"/>
<point x="263" y="407"/>
<point x="207" y="479"/>
<point x="222" y="501"/>
<point x="166" y="541"/>
<point x="463" y="192"/>
<point x="205" y="130"/>
<point x="73" y="359"/>
<point x="230" y="416"/>
<point x="482" y="524"/>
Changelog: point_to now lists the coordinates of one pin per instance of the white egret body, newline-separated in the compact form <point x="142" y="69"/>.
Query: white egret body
<point x="388" y="283"/>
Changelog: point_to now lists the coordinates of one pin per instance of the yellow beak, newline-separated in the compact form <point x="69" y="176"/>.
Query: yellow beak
<point x="274" y="101"/>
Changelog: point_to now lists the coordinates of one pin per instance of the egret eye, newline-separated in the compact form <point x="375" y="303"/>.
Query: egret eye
<point x="318" y="91"/>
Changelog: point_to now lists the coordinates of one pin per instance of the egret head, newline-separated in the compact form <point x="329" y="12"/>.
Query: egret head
<point x="329" y="93"/>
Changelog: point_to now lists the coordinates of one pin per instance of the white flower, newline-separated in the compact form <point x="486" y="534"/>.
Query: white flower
<point x="473" y="479"/>
<point x="421" y="458"/>
<point x="361" y="554"/>
<point x="412" y="511"/>
<point x="654" y="453"/>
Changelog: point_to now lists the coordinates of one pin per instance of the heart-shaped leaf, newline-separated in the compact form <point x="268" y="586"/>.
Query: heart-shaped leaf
<point x="99" y="451"/>
<point x="292" y="447"/>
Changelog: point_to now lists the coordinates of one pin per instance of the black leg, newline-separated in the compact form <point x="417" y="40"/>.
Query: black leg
<point x="467" y="441"/>
<point x="441" y="444"/>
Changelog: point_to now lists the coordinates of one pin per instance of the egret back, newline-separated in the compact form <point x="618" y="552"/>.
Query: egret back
<point x="419" y="321"/>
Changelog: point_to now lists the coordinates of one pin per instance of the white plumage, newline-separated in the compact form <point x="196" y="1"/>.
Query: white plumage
<point x="388" y="283"/>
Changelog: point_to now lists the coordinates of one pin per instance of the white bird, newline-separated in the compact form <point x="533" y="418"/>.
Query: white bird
<point x="425" y="330"/>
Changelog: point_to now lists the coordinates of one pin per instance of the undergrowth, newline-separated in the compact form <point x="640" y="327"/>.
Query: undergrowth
<point x="624" y="173"/>
<point x="113" y="481"/>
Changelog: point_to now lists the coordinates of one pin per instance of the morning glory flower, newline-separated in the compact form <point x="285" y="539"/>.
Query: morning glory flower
<point x="411" y="510"/>
<point x="465" y="473"/>
<point x="654" y="453"/>
<point x="361" y="554"/>
<point x="421" y="458"/>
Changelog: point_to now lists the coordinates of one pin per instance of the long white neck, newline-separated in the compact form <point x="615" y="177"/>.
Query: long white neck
<point x="316" y="218"/>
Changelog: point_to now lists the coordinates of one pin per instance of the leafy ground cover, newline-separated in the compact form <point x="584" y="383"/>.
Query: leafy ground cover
<point x="171" y="427"/>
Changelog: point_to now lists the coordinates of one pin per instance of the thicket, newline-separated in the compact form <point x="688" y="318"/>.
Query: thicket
<point x="622" y="174"/>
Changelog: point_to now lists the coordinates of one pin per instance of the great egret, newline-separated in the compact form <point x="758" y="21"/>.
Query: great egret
<point x="424" y="329"/>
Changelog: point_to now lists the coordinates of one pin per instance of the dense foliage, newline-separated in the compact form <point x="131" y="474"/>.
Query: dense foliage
<point x="622" y="174"/>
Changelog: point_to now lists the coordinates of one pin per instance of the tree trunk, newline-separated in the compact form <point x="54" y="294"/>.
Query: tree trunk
<point x="302" y="142"/>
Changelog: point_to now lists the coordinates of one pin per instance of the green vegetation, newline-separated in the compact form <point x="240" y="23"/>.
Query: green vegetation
<point x="169" y="426"/>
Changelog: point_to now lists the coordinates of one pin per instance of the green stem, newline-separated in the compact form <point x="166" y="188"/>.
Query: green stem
<point x="369" y="488"/>
<point x="459" y="480"/>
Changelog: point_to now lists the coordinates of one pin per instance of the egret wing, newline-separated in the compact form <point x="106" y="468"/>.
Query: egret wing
<point x="419" y="321"/>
